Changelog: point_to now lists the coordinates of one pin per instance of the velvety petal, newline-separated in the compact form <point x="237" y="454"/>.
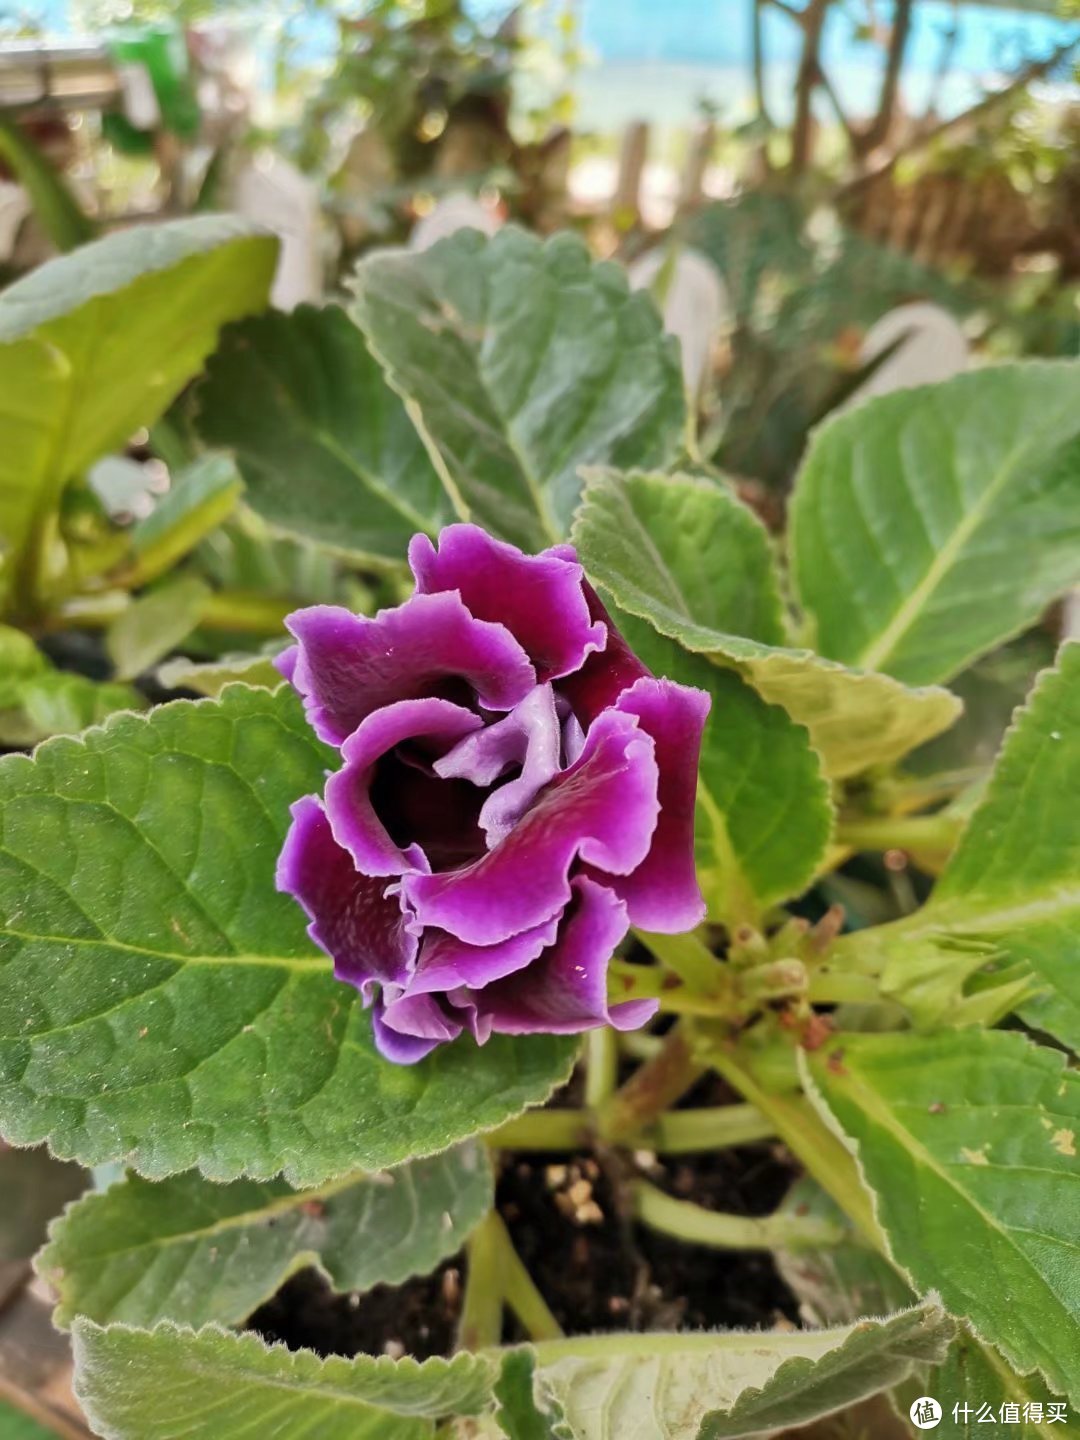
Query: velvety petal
<point x="358" y="824"/>
<point x="603" y="810"/>
<point x="606" y="673"/>
<point x="348" y="666"/>
<point x="662" y="893"/>
<point x="446" y="963"/>
<point x="566" y="989"/>
<point x="351" y="918"/>
<point x="537" y="597"/>
<point x="398" y="1046"/>
<point x="529" y="737"/>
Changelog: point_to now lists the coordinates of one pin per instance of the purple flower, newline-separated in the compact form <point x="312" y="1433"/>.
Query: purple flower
<point x="516" y="790"/>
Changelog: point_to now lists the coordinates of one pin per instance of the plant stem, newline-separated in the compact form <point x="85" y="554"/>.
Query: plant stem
<point x="839" y="987"/>
<point x="543" y="1130"/>
<point x="699" y="1226"/>
<point x="681" y="1132"/>
<point x="901" y="832"/>
<point x="480" y="1325"/>
<point x="688" y="957"/>
<point x="245" y="612"/>
<point x="601" y="1067"/>
<point x="519" y="1289"/>
<point x="806" y="1135"/>
<point x="652" y="1089"/>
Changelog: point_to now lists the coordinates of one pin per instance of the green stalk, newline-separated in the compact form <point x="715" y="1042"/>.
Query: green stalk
<point x="682" y="1132"/>
<point x="601" y="1067"/>
<point x="807" y="1137"/>
<point x="687" y="957"/>
<point x="652" y="1089"/>
<point x="698" y="1226"/>
<point x="480" y="1324"/>
<point x="519" y="1289"/>
<point x="543" y="1130"/>
<point x="901" y="832"/>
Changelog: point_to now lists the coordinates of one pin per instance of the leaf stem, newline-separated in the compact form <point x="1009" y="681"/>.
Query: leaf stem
<point x="699" y="1226"/>
<point x="938" y="832"/>
<point x="652" y="1089"/>
<point x="682" y="1132"/>
<point x="807" y="1137"/>
<point x="544" y="1130"/>
<point x="480" y="1324"/>
<point x="601" y="1067"/>
<point x="688" y="957"/>
<point x="519" y="1289"/>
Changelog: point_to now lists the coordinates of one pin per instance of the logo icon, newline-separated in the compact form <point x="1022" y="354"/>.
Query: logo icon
<point x="925" y="1413"/>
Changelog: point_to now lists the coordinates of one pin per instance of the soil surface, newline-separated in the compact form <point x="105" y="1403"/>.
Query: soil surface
<point x="596" y="1269"/>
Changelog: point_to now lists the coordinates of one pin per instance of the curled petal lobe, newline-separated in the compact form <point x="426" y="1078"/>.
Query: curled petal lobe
<point x="602" y="810"/>
<point x="351" y="917"/>
<point x="447" y="963"/>
<point x="346" y="666"/>
<point x="537" y="597"/>
<point x="566" y="989"/>
<point x="416" y="796"/>
<point x="399" y="1044"/>
<point x="662" y="894"/>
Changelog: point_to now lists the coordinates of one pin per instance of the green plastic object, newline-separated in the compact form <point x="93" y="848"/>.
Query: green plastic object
<point x="163" y="52"/>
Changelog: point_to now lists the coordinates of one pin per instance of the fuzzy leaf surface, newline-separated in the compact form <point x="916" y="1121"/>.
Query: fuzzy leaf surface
<point x="929" y="525"/>
<point x="633" y="534"/>
<point x="523" y="360"/>
<point x="968" y="1141"/>
<point x="721" y="1386"/>
<point x="162" y="1004"/>
<point x="172" y="1383"/>
<point x="326" y="448"/>
<point x="187" y="1250"/>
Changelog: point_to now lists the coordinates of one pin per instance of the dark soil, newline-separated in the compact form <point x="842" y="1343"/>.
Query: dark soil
<point x="596" y="1269"/>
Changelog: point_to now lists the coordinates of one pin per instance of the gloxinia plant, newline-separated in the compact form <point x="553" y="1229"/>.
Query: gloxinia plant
<point x="516" y="790"/>
<point x="623" y="763"/>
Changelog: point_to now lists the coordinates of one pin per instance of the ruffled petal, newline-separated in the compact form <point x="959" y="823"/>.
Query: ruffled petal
<point x="603" y="810"/>
<point x="422" y="808"/>
<point x="529" y="737"/>
<point x="447" y="963"/>
<point x="400" y="1046"/>
<point x="662" y="894"/>
<point x="565" y="990"/>
<point x="537" y="597"/>
<point x="348" y="666"/>
<point x="606" y="673"/>
<point x="351" y="918"/>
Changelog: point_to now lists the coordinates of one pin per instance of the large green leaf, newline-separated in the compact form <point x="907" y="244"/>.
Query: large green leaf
<point x="37" y="700"/>
<point x="172" y="1383"/>
<point x="188" y="1250"/>
<point x="720" y="1386"/>
<point x="523" y="361"/>
<point x="325" y="447"/>
<point x="161" y="1003"/>
<point x="640" y="539"/>
<point x="968" y="1140"/>
<point x="97" y="343"/>
<point x="931" y="524"/>
<point x="974" y="1377"/>
<point x="1010" y="892"/>
<point x="764" y="815"/>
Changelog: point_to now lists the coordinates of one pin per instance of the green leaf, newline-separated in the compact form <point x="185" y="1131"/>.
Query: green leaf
<point x="201" y="497"/>
<point x="1009" y="895"/>
<point x="968" y="1140"/>
<point x="161" y="1003"/>
<point x="172" y="1383"/>
<point x="326" y="448"/>
<point x="522" y="361"/>
<point x="37" y="701"/>
<point x="719" y="1386"/>
<point x="33" y="1188"/>
<point x="188" y="1250"/>
<point x="155" y="623"/>
<point x="764" y="815"/>
<point x="637" y="536"/>
<point x="517" y="1415"/>
<point x="20" y="659"/>
<point x="17" y="1425"/>
<point x="930" y="525"/>
<point x="209" y="677"/>
<point x="973" y="1376"/>
<point x="97" y="343"/>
